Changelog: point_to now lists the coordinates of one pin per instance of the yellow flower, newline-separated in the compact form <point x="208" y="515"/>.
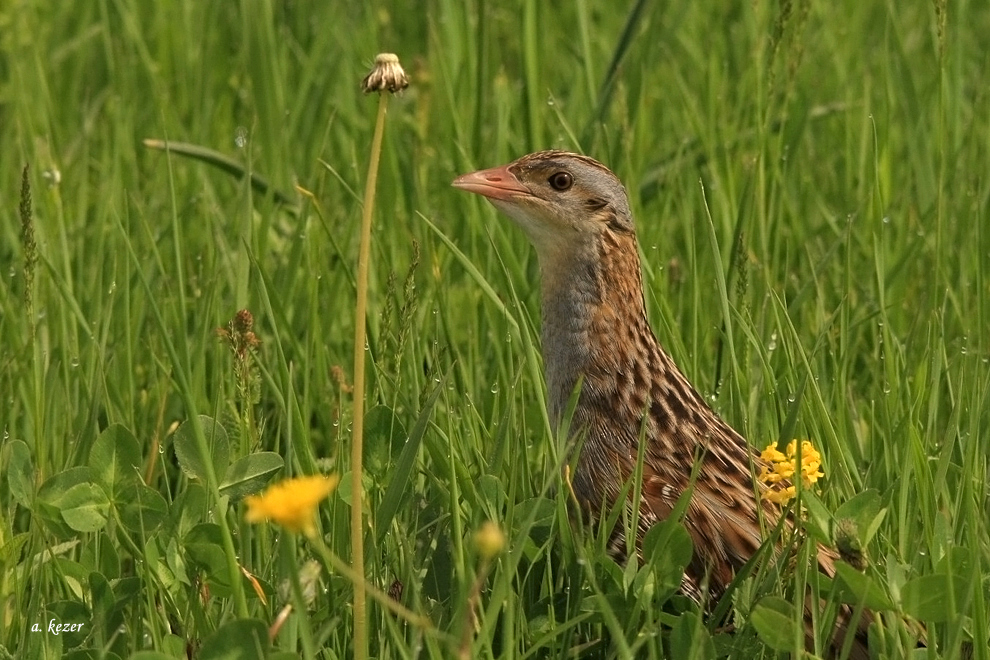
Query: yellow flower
<point x="780" y="468"/>
<point x="292" y="503"/>
<point x="489" y="540"/>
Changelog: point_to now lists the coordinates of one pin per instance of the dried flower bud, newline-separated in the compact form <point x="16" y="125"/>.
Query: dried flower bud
<point x="849" y="545"/>
<point x="387" y="74"/>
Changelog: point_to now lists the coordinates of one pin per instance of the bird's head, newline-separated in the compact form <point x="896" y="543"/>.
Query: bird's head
<point x="564" y="202"/>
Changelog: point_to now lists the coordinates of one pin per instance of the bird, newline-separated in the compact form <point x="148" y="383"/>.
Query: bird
<point x="597" y="341"/>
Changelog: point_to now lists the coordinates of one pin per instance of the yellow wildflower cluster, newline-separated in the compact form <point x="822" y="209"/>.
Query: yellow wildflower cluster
<point x="292" y="503"/>
<point x="780" y="468"/>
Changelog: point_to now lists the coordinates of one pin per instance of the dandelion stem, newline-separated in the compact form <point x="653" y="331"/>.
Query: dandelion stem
<point x="360" y="338"/>
<point x="299" y="602"/>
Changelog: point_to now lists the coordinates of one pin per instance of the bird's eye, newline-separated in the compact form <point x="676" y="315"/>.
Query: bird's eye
<point x="561" y="181"/>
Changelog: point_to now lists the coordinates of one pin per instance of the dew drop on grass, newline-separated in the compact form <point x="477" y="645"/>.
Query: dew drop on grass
<point x="240" y="137"/>
<point x="74" y="362"/>
<point x="495" y="387"/>
<point x="886" y="219"/>
<point x="113" y="287"/>
<point x="772" y="345"/>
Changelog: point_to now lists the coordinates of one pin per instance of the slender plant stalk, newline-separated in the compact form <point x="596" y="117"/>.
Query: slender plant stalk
<point x="360" y="339"/>
<point x="362" y="585"/>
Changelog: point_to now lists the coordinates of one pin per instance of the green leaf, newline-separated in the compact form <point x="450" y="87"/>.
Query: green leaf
<point x="863" y="509"/>
<point x="204" y="547"/>
<point x="399" y="483"/>
<point x="142" y="509"/>
<point x="690" y="639"/>
<point x="384" y="436"/>
<point x="101" y="596"/>
<point x="116" y="457"/>
<point x="85" y="507"/>
<point x="667" y="549"/>
<point x="69" y="613"/>
<point x="187" y="449"/>
<point x="20" y="473"/>
<point x="241" y="639"/>
<point x="934" y="598"/>
<point x="250" y="474"/>
<point x="10" y="551"/>
<point x="150" y="655"/>
<point x="777" y="624"/>
<point x="74" y="497"/>
<point x="859" y="588"/>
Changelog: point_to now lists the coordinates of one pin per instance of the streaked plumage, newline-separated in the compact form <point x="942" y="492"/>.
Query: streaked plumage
<point x="595" y="331"/>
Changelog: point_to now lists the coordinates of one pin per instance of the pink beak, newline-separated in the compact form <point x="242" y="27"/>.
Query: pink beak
<point x="496" y="183"/>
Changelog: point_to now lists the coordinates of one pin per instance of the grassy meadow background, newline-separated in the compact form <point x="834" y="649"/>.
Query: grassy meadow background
<point x="811" y="184"/>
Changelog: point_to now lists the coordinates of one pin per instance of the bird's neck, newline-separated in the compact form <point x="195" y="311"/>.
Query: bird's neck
<point x="594" y="325"/>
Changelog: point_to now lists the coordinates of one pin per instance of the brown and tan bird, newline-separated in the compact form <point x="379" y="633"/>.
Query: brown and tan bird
<point x="595" y="332"/>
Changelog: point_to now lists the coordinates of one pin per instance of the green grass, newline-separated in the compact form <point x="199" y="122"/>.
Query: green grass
<point x="811" y="191"/>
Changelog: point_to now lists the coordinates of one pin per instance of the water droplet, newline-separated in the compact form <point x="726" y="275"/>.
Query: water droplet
<point x="74" y="362"/>
<point x="886" y="219"/>
<point x="495" y="387"/>
<point x="52" y="176"/>
<point x="113" y="287"/>
<point x="772" y="345"/>
<point x="240" y="137"/>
